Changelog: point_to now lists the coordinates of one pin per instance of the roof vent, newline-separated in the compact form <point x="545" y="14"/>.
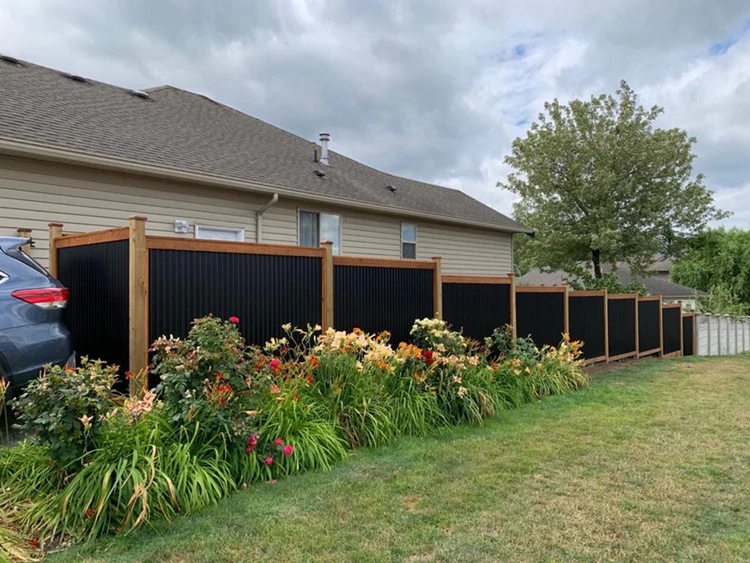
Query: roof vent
<point x="75" y="77"/>
<point x="319" y="172"/>
<point x="9" y="59"/>
<point x="140" y="94"/>
<point x="391" y="188"/>
<point x="324" y="138"/>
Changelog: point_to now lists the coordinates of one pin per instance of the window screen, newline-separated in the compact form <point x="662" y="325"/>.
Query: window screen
<point x="308" y="229"/>
<point x="408" y="241"/>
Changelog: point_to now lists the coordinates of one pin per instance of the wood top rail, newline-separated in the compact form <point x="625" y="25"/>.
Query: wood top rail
<point x="588" y="293"/>
<point x="649" y="297"/>
<point x="540" y="289"/>
<point x="231" y="247"/>
<point x="477" y="279"/>
<point x="383" y="262"/>
<point x="95" y="237"/>
<point x="671" y="306"/>
<point x="622" y="296"/>
<point x="687" y="314"/>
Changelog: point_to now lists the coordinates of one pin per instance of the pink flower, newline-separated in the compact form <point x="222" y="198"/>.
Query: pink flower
<point x="269" y="460"/>
<point x="288" y="449"/>
<point x="234" y="320"/>
<point x="244" y="486"/>
<point x="274" y="363"/>
<point x="278" y="442"/>
<point x="275" y="389"/>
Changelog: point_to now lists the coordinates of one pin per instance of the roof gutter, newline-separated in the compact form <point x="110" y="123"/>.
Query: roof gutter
<point x="41" y="152"/>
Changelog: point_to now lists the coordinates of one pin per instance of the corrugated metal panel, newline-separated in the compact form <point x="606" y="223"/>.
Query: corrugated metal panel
<point x="542" y="316"/>
<point x="97" y="314"/>
<point x="377" y="299"/>
<point x="586" y="321"/>
<point x="621" y="317"/>
<point x="648" y="325"/>
<point x="263" y="291"/>
<point x="671" y="328"/>
<point x="476" y="308"/>
<point x="688" y="335"/>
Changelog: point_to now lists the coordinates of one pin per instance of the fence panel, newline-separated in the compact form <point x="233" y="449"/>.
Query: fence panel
<point x="97" y="313"/>
<point x="378" y="298"/>
<point x="540" y="313"/>
<point x="649" y="326"/>
<point x="621" y="314"/>
<point x="587" y="322"/>
<point x="688" y="335"/>
<point x="264" y="291"/>
<point x="476" y="307"/>
<point x="671" y="329"/>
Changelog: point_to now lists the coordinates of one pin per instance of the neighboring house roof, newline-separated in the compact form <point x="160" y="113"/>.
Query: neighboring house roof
<point x="180" y="130"/>
<point x="654" y="286"/>
<point x="661" y="264"/>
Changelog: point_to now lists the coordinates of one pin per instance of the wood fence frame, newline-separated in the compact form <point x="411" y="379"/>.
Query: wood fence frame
<point x="140" y="244"/>
<point x="679" y="352"/>
<point x="660" y="349"/>
<point x="595" y="293"/>
<point x="634" y="297"/>
<point x="509" y="280"/>
<point x="695" y="333"/>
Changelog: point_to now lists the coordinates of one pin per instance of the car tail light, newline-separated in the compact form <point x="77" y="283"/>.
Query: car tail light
<point x="47" y="298"/>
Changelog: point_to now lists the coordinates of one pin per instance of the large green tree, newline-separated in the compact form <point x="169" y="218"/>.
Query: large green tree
<point x="718" y="262"/>
<point x="599" y="183"/>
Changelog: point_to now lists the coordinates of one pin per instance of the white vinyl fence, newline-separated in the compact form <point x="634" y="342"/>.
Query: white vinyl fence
<point x="722" y="335"/>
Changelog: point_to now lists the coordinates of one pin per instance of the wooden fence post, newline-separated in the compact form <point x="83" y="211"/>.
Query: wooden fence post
<point x="24" y="232"/>
<point x="661" y="328"/>
<point x="437" y="290"/>
<point x="637" y="330"/>
<point x="55" y="232"/>
<point x="566" y="310"/>
<point x="138" y="313"/>
<point x="328" y="281"/>
<point x="606" y="324"/>
<point x="513" y="329"/>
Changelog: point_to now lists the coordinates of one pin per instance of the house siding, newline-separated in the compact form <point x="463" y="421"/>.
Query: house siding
<point x="33" y="194"/>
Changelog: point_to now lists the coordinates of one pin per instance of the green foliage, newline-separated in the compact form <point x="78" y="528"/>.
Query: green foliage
<point x="609" y="281"/>
<point x="718" y="262"/>
<point x="64" y="407"/>
<point x="601" y="185"/>
<point x="206" y="376"/>
<point x="231" y="415"/>
<point x="435" y="334"/>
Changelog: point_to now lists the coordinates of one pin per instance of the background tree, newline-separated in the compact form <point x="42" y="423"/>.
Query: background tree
<point x="718" y="261"/>
<point x="600" y="184"/>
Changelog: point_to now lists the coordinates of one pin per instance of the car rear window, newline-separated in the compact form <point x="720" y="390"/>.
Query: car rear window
<point x="21" y="256"/>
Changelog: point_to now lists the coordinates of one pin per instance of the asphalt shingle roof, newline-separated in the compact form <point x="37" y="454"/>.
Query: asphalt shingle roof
<point x="181" y="130"/>
<point x="654" y="286"/>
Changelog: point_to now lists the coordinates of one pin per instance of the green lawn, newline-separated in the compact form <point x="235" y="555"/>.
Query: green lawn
<point x="651" y="463"/>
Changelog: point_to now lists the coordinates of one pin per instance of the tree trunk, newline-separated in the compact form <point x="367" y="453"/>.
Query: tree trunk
<point x="596" y="260"/>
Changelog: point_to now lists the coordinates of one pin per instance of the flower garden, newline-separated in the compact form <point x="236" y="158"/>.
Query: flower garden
<point x="225" y="414"/>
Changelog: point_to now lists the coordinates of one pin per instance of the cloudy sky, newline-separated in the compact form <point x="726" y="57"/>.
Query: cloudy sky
<point x="431" y="89"/>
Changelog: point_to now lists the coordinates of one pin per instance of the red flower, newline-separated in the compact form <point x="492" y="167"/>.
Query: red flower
<point x="128" y="374"/>
<point x="274" y="364"/>
<point x="269" y="460"/>
<point x="90" y="512"/>
<point x="427" y="355"/>
<point x="288" y="449"/>
<point x="234" y="320"/>
<point x="278" y="442"/>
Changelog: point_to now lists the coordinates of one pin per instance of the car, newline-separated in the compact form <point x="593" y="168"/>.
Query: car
<point x="32" y="316"/>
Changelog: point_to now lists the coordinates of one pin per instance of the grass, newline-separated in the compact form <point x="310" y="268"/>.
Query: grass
<point x="652" y="462"/>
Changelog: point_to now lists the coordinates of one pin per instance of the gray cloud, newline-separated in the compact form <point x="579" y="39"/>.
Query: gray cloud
<point x="433" y="89"/>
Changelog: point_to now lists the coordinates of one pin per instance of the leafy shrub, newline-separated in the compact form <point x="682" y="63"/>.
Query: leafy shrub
<point x="436" y="335"/>
<point x="64" y="408"/>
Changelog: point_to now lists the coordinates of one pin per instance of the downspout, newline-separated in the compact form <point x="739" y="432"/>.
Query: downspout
<point x="259" y="218"/>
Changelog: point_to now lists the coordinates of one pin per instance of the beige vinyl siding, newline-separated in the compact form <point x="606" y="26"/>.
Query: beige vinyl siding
<point x="33" y="194"/>
<point x="465" y="251"/>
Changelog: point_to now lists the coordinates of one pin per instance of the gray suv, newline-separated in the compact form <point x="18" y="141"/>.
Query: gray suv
<point x="32" y="308"/>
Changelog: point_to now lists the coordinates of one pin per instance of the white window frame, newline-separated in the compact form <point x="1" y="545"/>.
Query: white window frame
<point x="415" y="242"/>
<point x="237" y="230"/>
<point x="320" y="239"/>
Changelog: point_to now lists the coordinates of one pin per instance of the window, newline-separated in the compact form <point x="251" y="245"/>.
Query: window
<point x="219" y="233"/>
<point x="317" y="227"/>
<point x="408" y="241"/>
